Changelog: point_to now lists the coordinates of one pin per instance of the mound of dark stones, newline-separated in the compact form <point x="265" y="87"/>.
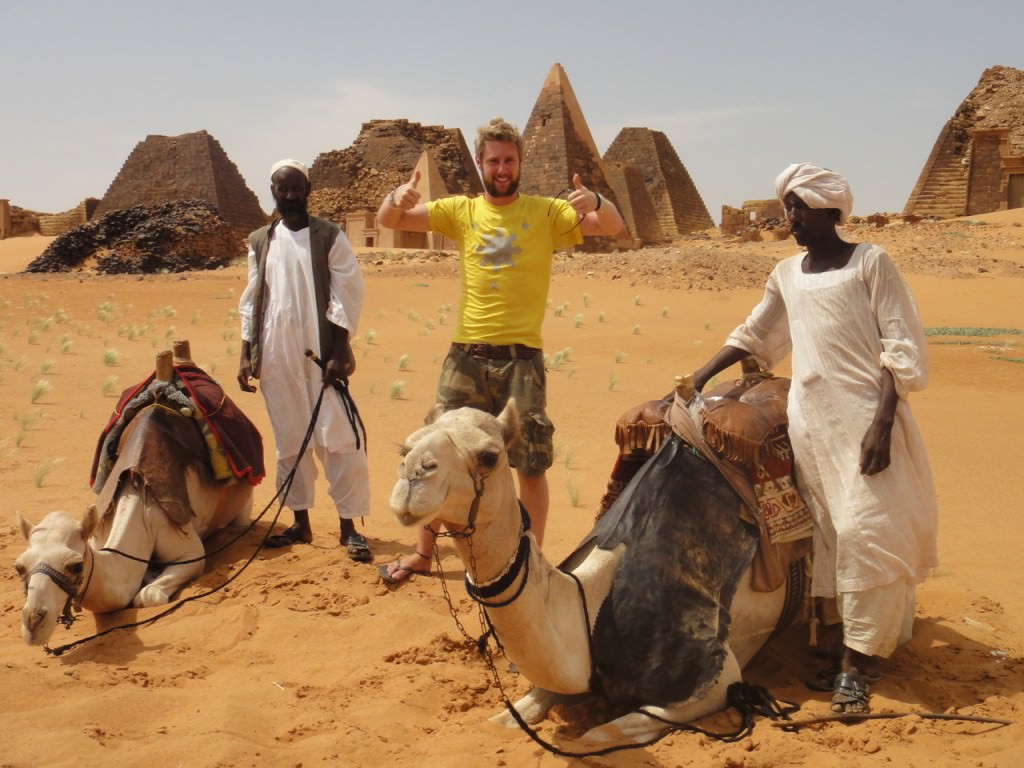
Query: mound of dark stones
<point x="178" y="236"/>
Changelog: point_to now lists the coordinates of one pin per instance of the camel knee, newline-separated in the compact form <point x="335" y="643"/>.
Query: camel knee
<point x="150" y="595"/>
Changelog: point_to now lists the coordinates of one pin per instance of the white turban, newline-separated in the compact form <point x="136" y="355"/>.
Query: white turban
<point x="290" y="164"/>
<point x="816" y="186"/>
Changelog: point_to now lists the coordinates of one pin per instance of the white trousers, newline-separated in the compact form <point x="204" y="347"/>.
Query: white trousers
<point x="348" y="480"/>
<point x="877" y="621"/>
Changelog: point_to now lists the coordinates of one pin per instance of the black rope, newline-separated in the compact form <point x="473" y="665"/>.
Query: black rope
<point x="282" y="494"/>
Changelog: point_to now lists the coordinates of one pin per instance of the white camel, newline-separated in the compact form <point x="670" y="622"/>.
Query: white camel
<point x="455" y="470"/>
<point x="159" y="509"/>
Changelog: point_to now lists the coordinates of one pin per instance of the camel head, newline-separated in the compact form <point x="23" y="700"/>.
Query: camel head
<point x="450" y="461"/>
<point x="51" y="567"/>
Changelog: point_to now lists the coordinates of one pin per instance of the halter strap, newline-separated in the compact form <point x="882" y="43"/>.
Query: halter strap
<point x="505" y="580"/>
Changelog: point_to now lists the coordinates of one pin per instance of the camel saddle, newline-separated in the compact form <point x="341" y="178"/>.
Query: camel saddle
<point x="739" y="426"/>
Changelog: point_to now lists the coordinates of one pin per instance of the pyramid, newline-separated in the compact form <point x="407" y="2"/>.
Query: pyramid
<point x="557" y="144"/>
<point x="677" y="203"/>
<point x="192" y="166"/>
<point x="635" y="203"/>
<point x="355" y="179"/>
<point x="977" y="163"/>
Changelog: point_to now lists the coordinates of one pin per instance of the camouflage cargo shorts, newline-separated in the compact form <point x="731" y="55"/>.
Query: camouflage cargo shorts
<point x="488" y="385"/>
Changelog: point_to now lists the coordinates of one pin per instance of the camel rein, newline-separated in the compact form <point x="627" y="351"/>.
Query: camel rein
<point x="76" y="594"/>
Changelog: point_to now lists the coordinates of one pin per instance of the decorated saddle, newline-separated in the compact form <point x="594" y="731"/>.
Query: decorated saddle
<point x="740" y="426"/>
<point x="234" y="444"/>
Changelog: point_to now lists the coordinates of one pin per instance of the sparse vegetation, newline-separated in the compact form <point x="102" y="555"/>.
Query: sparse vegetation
<point x="39" y="389"/>
<point x="397" y="390"/>
<point x="111" y="356"/>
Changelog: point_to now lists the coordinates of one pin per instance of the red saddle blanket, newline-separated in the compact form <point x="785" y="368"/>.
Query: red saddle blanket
<point x="238" y="442"/>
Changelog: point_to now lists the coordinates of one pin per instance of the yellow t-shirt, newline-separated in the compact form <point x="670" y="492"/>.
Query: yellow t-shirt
<point x="505" y="262"/>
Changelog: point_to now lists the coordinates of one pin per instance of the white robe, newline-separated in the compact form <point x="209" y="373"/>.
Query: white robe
<point x="290" y="381"/>
<point x="843" y="327"/>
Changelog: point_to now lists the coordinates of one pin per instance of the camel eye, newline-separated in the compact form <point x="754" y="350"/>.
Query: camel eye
<point x="21" y="569"/>
<point x="75" y="568"/>
<point x="403" y="450"/>
<point x="488" y="459"/>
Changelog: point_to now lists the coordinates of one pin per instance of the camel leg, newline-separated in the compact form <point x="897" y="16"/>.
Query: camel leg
<point x="638" y="727"/>
<point x="186" y="546"/>
<point x="533" y="707"/>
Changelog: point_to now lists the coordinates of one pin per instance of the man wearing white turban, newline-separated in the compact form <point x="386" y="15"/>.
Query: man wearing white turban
<point x="858" y="348"/>
<point x="305" y="291"/>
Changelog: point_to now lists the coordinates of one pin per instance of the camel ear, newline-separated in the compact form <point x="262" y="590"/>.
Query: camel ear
<point x="509" y="421"/>
<point x="433" y="414"/>
<point x="25" y="525"/>
<point x="90" y="522"/>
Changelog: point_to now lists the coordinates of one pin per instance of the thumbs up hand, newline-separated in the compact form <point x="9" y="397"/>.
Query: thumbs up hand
<point x="582" y="199"/>
<point x="406" y="196"/>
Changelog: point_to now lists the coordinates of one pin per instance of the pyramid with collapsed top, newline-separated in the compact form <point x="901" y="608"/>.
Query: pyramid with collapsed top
<point x="977" y="162"/>
<point x="192" y="166"/>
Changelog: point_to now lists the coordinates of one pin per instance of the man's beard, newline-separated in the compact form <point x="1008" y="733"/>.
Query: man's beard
<point x="291" y="207"/>
<point x="492" y="188"/>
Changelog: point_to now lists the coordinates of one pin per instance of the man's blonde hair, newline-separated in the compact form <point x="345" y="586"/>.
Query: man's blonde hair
<point x="498" y="129"/>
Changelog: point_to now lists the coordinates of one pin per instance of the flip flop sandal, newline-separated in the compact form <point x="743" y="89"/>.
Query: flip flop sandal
<point x="287" y="537"/>
<point x="388" y="574"/>
<point x="358" y="548"/>
<point x="851" y="694"/>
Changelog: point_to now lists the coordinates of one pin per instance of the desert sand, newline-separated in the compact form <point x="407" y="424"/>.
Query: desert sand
<point x="307" y="659"/>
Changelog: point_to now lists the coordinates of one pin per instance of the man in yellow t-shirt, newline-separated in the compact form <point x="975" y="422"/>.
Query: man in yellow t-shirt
<point x="506" y="244"/>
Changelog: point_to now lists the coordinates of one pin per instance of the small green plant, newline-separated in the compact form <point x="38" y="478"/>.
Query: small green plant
<point x="227" y="335"/>
<point x="110" y="386"/>
<point x="370" y="336"/>
<point x="559" y="311"/>
<point x="707" y="325"/>
<point x="47" y="366"/>
<point x="578" y="322"/>
<point x="573" y="489"/>
<point x="636" y="330"/>
<point x="612" y="381"/>
<point x="664" y="311"/>
<point x="33" y="336"/>
<point x="111" y="356"/>
<point x="65" y="346"/>
<point x="171" y="332"/>
<point x="600" y="317"/>
<point x="620" y="357"/>
<point x="39" y="389"/>
<point x="42" y="470"/>
<point x="586" y="300"/>
<point x="636" y="301"/>
<point x="195" y="318"/>
<point x="397" y="390"/>
<point x="403" y="362"/>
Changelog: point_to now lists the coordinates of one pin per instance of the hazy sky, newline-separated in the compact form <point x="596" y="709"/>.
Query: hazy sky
<point x="741" y="89"/>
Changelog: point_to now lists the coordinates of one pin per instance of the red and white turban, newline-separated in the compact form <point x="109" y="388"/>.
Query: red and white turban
<point x="289" y="164"/>
<point x="816" y="186"/>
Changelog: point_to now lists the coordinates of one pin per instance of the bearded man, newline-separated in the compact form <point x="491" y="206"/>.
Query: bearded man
<point x="305" y="291"/>
<point x="506" y="243"/>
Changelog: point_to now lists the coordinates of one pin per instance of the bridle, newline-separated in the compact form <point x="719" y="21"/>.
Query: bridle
<point x="74" y="588"/>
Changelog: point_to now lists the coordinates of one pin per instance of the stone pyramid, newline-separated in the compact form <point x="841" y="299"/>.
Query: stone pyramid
<point x="557" y="144"/>
<point x="192" y="166"/>
<point x="355" y="179"/>
<point x="677" y="203"/>
<point x="977" y="163"/>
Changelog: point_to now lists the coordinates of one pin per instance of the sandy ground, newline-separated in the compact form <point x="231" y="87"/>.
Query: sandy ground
<point x="306" y="659"/>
